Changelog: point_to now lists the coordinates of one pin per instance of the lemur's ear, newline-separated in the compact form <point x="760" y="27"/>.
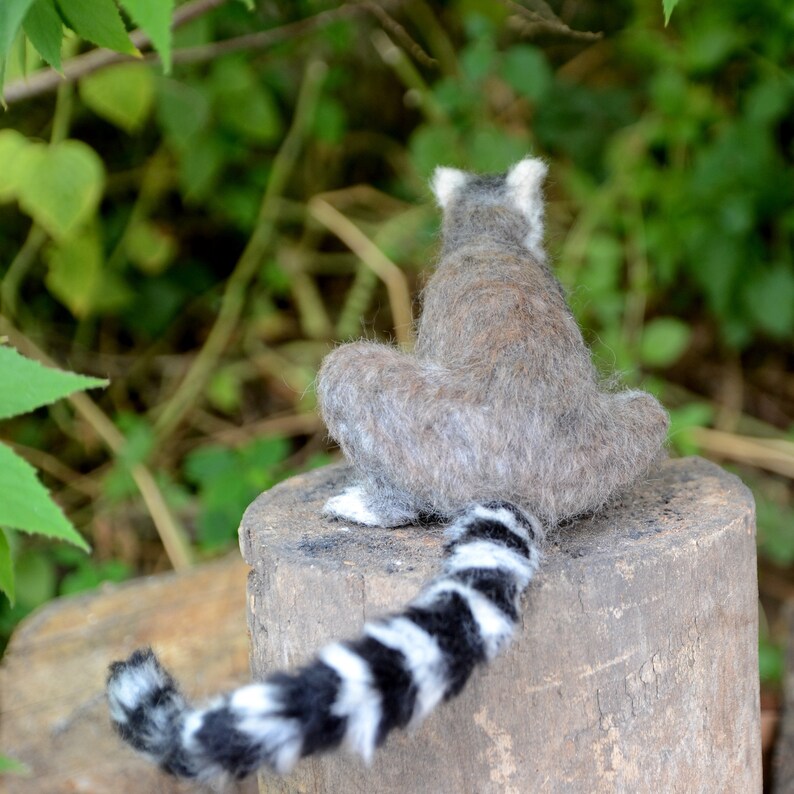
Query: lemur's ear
<point x="446" y="183"/>
<point x="524" y="180"/>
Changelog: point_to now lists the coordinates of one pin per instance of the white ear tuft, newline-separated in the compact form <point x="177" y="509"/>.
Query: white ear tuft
<point x="525" y="179"/>
<point x="446" y="182"/>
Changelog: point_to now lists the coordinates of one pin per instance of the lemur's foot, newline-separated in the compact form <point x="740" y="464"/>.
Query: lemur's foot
<point x="357" y="505"/>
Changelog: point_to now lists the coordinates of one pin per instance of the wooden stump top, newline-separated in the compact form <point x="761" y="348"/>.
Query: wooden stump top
<point x="286" y="522"/>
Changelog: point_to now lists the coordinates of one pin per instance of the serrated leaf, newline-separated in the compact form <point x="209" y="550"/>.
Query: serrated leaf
<point x="26" y="385"/>
<point x="75" y="271"/>
<point x="27" y="506"/>
<point x="122" y="95"/>
<point x="6" y="567"/>
<point x="668" y="6"/>
<point x="664" y="339"/>
<point x="154" y="17"/>
<point x="61" y="186"/>
<point x="12" y="13"/>
<point x="44" y="28"/>
<point x="99" y="22"/>
<point x="12" y="146"/>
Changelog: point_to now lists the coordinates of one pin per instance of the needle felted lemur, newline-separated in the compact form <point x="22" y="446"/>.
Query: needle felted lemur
<point x="496" y="422"/>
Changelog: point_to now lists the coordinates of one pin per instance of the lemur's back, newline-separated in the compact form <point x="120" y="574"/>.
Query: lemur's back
<point x="495" y="311"/>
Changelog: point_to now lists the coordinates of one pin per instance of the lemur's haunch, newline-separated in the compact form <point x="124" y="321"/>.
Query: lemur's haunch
<point x="497" y="418"/>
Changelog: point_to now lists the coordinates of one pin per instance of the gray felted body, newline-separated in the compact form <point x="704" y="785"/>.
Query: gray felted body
<point x="500" y="399"/>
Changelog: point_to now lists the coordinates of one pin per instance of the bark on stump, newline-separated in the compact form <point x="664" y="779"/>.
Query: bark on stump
<point x="635" y="670"/>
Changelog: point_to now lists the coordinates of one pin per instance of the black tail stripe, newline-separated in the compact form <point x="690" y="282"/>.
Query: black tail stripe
<point x="233" y="750"/>
<point x="393" y="681"/>
<point x="495" y="584"/>
<point x="496" y="531"/>
<point x="455" y="630"/>
<point x="309" y="696"/>
<point x="516" y="512"/>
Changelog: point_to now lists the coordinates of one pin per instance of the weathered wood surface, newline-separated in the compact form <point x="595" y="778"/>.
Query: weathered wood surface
<point x="635" y="670"/>
<point x="783" y="762"/>
<point x="53" y="714"/>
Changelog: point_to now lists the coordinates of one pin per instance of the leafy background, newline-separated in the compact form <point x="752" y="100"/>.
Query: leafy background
<point x="200" y="224"/>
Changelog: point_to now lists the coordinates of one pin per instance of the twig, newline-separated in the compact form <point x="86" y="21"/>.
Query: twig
<point x="389" y="22"/>
<point x="287" y="426"/>
<point x="18" y="269"/>
<point x="771" y="454"/>
<point x="247" y="266"/>
<point x="528" y="19"/>
<point x="376" y="260"/>
<point x="356" y="302"/>
<point x="263" y="38"/>
<point x="409" y="75"/>
<point x="168" y="528"/>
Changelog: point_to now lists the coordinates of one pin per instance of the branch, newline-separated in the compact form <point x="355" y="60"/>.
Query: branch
<point x="238" y="285"/>
<point x="48" y="80"/>
<point x="376" y="260"/>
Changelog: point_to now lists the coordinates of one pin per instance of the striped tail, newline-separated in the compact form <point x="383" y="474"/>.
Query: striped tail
<point x="353" y="693"/>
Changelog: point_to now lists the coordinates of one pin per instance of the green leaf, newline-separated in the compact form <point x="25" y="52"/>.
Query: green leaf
<point x="154" y="17"/>
<point x="122" y="95"/>
<point x="6" y="567"/>
<point x="527" y="72"/>
<point x="12" y="12"/>
<point x="330" y="120"/>
<point x="182" y="111"/>
<point x="663" y="341"/>
<point x="10" y="766"/>
<point x="150" y="247"/>
<point x="75" y="271"/>
<point x="27" y="506"/>
<point x="770" y="299"/>
<point x="44" y="28"/>
<point x="60" y="187"/>
<point x="243" y="103"/>
<point x="26" y="385"/>
<point x="12" y="146"/>
<point x="36" y="579"/>
<point x="668" y="6"/>
<point x="432" y="145"/>
<point x="99" y="22"/>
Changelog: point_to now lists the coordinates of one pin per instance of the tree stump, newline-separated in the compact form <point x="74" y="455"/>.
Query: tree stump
<point x="635" y="670"/>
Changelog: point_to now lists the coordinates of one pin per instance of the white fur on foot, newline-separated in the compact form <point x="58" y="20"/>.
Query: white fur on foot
<point x="356" y="505"/>
<point x="351" y="505"/>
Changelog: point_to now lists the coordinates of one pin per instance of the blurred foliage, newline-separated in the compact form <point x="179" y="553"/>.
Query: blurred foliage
<point x="159" y="229"/>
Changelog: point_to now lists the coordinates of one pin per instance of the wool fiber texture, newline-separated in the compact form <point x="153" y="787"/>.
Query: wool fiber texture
<point x="500" y="399"/>
<point x="355" y="693"/>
